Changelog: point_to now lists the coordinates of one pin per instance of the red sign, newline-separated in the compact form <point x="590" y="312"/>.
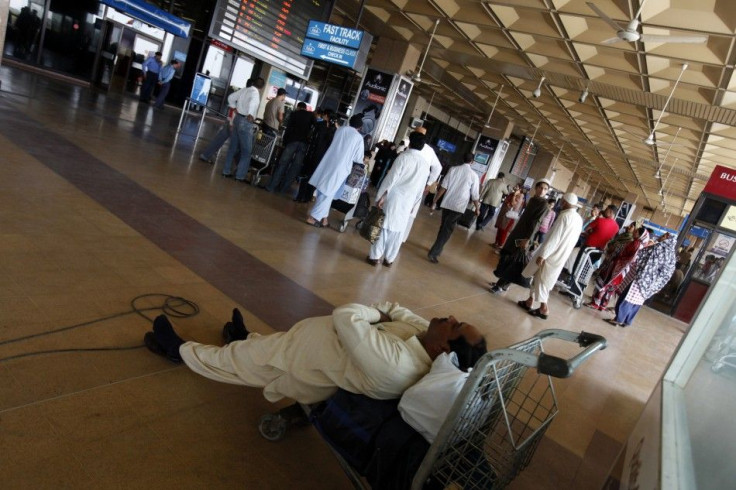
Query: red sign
<point x="722" y="182"/>
<point x="221" y="45"/>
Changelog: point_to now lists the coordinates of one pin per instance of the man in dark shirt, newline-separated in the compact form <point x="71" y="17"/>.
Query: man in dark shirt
<point x="296" y="139"/>
<point x="324" y="130"/>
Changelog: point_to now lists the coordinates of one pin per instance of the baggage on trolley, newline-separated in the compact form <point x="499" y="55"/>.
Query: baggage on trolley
<point x="352" y="198"/>
<point x="494" y="425"/>
<point x="262" y="153"/>
<point x="580" y="276"/>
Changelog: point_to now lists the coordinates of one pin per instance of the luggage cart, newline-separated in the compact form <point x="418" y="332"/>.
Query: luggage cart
<point x="264" y="145"/>
<point x="352" y="197"/>
<point x="580" y="277"/>
<point x="497" y="421"/>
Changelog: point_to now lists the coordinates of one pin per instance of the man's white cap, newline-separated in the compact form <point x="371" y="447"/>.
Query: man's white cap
<point x="571" y="198"/>
<point x="543" y="181"/>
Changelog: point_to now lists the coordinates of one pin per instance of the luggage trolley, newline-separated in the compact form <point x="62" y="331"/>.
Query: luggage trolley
<point x="581" y="276"/>
<point x="352" y="199"/>
<point x="264" y="145"/>
<point x="497" y="421"/>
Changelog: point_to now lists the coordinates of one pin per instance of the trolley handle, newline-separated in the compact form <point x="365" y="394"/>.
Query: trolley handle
<point x="563" y="368"/>
<point x="553" y="365"/>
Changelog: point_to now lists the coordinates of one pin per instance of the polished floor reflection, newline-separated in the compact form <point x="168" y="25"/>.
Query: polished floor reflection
<point x="101" y="201"/>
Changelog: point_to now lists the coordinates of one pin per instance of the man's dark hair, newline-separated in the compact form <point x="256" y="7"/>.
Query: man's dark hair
<point x="249" y="82"/>
<point x="597" y="206"/>
<point x="612" y="208"/>
<point x="501" y="175"/>
<point x="468" y="157"/>
<point x="301" y="105"/>
<point x="641" y="230"/>
<point x="328" y="114"/>
<point x="158" y="53"/>
<point x="281" y="91"/>
<point x="175" y="62"/>
<point x="356" y="121"/>
<point x="416" y="140"/>
<point x="467" y="355"/>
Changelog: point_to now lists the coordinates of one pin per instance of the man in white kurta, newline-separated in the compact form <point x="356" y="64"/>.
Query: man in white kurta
<point x="403" y="182"/>
<point x="336" y="164"/>
<point x="378" y="351"/>
<point x="548" y="260"/>
<point x="435" y="169"/>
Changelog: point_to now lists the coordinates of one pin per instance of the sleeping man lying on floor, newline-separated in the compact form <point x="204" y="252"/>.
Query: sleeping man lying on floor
<point x="378" y="351"/>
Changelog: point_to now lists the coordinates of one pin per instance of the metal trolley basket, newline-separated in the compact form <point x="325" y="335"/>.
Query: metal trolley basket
<point x="264" y="145"/>
<point x="581" y="276"/>
<point x="497" y="421"/>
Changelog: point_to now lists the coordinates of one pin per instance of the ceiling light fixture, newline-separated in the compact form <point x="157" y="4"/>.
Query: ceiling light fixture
<point x="650" y="139"/>
<point x="583" y="96"/>
<point x="538" y="91"/>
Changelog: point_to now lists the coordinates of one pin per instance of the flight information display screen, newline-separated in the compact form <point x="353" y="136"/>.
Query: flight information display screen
<point x="271" y="30"/>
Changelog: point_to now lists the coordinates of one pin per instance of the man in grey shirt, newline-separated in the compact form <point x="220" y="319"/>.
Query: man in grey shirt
<point x="274" y="113"/>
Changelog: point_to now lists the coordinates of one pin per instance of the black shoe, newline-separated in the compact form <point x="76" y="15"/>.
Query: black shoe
<point x="235" y="330"/>
<point x="227" y="176"/>
<point x="373" y="262"/>
<point x="242" y="181"/>
<point x="163" y="340"/>
<point x="205" y="159"/>
<point x="433" y="259"/>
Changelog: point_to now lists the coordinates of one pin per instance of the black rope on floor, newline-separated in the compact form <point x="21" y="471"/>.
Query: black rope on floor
<point x="171" y="306"/>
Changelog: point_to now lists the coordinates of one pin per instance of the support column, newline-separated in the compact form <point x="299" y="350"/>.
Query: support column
<point x="4" y="16"/>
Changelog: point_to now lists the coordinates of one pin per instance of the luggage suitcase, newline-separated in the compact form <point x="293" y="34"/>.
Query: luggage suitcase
<point x="468" y="218"/>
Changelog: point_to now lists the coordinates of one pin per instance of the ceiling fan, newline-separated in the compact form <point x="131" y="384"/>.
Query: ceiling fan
<point x="416" y="77"/>
<point x="630" y="33"/>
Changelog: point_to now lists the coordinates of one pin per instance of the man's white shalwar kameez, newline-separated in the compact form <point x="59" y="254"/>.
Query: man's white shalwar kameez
<point x="558" y="243"/>
<point x="349" y="350"/>
<point x="407" y="177"/>
<point x="337" y="163"/>
<point x="435" y="169"/>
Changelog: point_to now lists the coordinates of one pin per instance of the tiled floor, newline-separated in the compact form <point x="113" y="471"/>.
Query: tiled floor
<point x="100" y="202"/>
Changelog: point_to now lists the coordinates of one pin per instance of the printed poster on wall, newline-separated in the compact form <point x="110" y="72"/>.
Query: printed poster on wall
<point x="201" y="89"/>
<point x="392" y="116"/>
<point x="370" y="102"/>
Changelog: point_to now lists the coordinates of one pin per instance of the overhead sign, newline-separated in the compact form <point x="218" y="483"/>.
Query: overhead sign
<point x="270" y="31"/>
<point x="722" y="182"/>
<point x="151" y="15"/>
<point x="336" y="44"/>
<point x="333" y="34"/>
<point x="329" y="52"/>
<point x="446" y="145"/>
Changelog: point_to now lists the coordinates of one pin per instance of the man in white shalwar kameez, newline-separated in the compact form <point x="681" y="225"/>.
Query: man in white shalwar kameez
<point x="346" y="148"/>
<point x="548" y="260"/>
<point x="396" y="195"/>
<point x="378" y="351"/>
<point x="435" y="169"/>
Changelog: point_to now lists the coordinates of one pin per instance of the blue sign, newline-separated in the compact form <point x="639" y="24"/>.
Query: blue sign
<point x="446" y="145"/>
<point x="201" y="89"/>
<point x="329" y="52"/>
<point x="152" y="15"/>
<point x="330" y="33"/>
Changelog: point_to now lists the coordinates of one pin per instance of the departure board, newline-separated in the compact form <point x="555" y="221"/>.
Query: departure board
<point x="271" y="30"/>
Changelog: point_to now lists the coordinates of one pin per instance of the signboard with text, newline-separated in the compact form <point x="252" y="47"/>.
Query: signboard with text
<point x="722" y="182"/>
<point x="272" y="31"/>
<point x="391" y="117"/>
<point x="336" y="44"/>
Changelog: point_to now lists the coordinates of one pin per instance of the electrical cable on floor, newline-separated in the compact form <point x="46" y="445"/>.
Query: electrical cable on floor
<point x="171" y="306"/>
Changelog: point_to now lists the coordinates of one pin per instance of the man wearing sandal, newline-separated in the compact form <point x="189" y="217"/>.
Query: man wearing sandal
<point x="347" y="147"/>
<point x="548" y="260"/>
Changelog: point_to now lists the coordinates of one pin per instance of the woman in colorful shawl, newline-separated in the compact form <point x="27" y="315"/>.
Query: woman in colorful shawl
<point x="621" y="256"/>
<point x="653" y="270"/>
<point x="504" y="224"/>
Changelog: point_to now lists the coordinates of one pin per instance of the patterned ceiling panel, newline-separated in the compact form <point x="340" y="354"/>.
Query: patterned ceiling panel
<point x="481" y="45"/>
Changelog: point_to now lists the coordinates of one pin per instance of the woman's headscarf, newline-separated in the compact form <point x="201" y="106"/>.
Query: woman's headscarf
<point x="654" y="266"/>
